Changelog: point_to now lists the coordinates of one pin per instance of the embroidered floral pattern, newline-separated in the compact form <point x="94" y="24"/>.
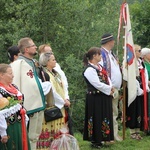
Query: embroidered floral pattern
<point x="105" y="128"/>
<point x="128" y="118"/>
<point x="46" y="138"/>
<point x="13" y="118"/>
<point x="30" y="73"/>
<point x="138" y="119"/>
<point x="90" y="126"/>
<point x="103" y="76"/>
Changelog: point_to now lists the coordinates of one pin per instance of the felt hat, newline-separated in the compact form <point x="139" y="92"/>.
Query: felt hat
<point x="106" y="38"/>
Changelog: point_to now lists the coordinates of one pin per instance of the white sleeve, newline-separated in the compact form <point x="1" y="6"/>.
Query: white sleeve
<point x="59" y="101"/>
<point x="46" y="86"/>
<point x="64" y="79"/>
<point x="3" y="125"/>
<point x="26" y="119"/>
<point x="92" y="77"/>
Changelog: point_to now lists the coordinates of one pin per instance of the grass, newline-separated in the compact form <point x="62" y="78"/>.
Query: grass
<point x="126" y="144"/>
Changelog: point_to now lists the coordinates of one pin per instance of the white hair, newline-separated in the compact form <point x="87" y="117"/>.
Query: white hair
<point x="145" y="51"/>
<point x="44" y="58"/>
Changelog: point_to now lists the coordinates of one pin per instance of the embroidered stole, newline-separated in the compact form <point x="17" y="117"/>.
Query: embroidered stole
<point x="106" y="61"/>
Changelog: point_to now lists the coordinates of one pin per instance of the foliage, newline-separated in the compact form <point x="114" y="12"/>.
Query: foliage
<point x="77" y="114"/>
<point x="141" y="22"/>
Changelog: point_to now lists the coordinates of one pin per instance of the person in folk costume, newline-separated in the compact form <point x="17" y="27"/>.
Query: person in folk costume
<point x="27" y="80"/>
<point x="98" y="124"/>
<point x="47" y="48"/>
<point x="145" y="54"/>
<point x="111" y="65"/>
<point x="135" y="111"/>
<point x="56" y="97"/>
<point x="13" y="118"/>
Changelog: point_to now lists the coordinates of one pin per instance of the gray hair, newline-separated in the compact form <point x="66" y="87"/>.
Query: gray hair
<point x="44" y="58"/>
<point x="23" y="43"/>
<point x="145" y="51"/>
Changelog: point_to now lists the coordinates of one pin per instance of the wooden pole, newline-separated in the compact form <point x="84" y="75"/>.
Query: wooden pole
<point x="124" y="94"/>
<point x="124" y="108"/>
<point x="124" y="86"/>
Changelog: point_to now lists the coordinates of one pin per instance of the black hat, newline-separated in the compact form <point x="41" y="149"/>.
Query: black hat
<point x="13" y="50"/>
<point x="106" y="38"/>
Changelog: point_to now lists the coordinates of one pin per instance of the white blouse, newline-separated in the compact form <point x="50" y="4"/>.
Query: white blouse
<point x="91" y="75"/>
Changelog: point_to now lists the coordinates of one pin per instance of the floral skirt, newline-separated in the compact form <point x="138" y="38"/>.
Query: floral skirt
<point x="98" y="125"/>
<point x="50" y="131"/>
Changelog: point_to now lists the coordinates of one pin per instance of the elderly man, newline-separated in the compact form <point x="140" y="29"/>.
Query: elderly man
<point x="110" y="63"/>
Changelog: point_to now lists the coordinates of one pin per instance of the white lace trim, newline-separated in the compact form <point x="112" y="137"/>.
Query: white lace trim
<point x="12" y="110"/>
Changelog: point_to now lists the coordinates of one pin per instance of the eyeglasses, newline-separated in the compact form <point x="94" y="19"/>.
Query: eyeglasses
<point x="31" y="46"/>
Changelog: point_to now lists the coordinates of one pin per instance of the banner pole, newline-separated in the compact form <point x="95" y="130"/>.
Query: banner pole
<point x="124" y="91"/>
<point x="124" y="108"/>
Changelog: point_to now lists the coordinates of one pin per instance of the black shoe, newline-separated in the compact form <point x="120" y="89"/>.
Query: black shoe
<point x="96" y="145"/>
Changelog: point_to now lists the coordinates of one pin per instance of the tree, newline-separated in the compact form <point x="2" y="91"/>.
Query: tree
<point x="141" y="22"/>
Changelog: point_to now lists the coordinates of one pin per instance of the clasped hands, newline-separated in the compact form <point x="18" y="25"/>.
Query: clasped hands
<point x="67" y="102"/>
<point x="112" y="91"/>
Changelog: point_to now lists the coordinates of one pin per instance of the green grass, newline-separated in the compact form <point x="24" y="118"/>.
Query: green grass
<point x="126" y="144"/>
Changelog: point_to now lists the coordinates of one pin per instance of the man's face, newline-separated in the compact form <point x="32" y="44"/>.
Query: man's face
<point x="112" y="43"/>
<point x="31" y="49"/>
